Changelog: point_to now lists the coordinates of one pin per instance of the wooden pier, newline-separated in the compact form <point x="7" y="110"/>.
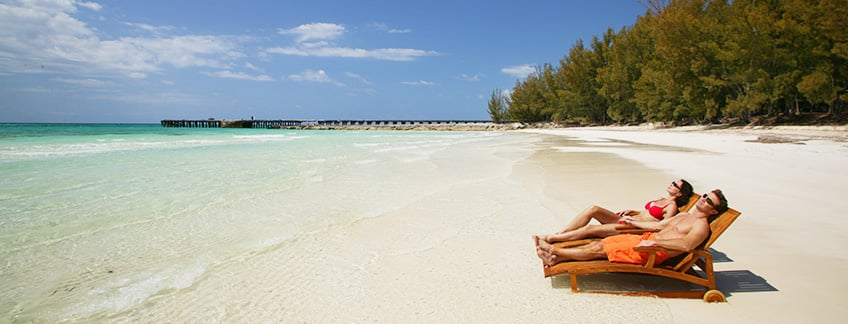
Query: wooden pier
<point x="191" y="123"/>
<point x="284" y="123"/>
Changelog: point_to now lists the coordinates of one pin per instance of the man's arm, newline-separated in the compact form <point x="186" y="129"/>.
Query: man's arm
<point x="697" y="234"/>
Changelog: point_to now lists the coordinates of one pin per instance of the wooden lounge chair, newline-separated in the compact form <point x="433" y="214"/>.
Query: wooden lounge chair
<point x="692" y="200"/>
<point x="680" y="267"/>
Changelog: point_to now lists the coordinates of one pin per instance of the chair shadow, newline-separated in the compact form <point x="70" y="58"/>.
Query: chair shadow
<point x="719" y="257"/>
<point x="727" y="281"/>
<point x="741" y="281"/>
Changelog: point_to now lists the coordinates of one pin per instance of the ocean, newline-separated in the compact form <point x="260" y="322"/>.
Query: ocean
<point x="98" y="221"/>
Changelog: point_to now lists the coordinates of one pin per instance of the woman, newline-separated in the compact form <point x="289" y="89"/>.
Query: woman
<point x="678" y="193"/>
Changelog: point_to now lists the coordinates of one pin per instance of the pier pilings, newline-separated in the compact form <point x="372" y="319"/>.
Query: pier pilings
<point x="278" y="123"/>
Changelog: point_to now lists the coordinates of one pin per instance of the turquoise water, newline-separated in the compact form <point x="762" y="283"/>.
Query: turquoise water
<point x="99" y="219"/>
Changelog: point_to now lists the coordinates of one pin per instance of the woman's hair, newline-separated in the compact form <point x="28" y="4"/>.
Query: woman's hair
<point x="685" y="193"/>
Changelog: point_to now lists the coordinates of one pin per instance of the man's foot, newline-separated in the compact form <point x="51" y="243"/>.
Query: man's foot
<point x="552" y="259"/>
<point x="544" y="256"/>
<point x="539" y="237"/>
<point x="543" y="245"/>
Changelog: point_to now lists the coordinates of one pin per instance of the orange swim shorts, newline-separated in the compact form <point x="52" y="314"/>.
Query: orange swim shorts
<point x="619" y="248"/>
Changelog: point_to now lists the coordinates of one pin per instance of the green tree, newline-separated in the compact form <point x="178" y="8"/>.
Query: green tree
<point x="699" y="60"/>
<point x="498" y="106"/>
<point x="627" y="56"/>
<point x="527" y="101"/>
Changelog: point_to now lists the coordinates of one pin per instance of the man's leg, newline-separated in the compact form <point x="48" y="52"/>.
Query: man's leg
<point x="591" y="251"/>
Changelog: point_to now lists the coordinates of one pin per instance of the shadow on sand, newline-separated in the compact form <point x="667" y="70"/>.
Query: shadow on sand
<point x="727" y="281"/>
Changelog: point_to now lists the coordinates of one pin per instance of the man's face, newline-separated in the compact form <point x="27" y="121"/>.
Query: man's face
<point x="708" y="202"/>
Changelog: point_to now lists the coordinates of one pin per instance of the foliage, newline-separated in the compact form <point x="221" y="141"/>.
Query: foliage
<point x="700" y="61"/>
<point x="498" y="106"/>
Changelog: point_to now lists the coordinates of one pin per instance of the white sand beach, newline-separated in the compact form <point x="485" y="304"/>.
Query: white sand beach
<point x="464" y="252"/>
<point x="786" y="262"/>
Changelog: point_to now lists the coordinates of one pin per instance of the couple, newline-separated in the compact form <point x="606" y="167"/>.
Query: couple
<point x="678" y="234"/>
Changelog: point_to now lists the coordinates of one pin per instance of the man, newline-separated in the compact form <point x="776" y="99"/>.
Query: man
<point x="678" y="235"/>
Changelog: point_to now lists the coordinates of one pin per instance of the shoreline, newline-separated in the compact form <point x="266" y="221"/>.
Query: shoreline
<point x="797" y="134"/>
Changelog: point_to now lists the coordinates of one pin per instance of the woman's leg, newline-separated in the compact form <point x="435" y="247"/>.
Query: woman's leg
<point x="587" y="231"/>
<point x="603" y="215"/>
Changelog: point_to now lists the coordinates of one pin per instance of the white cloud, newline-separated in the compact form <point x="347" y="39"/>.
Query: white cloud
<point x="357" y="77"/>
<point x="89" y="83"/>
<point x="385" y="28"/>
<point x="314" y="31"/>
<point x="422" y="82"/>
<point x="43" y="36"/>
<point x="151" y="28"/>
<point x="137" y="75"/>
<point x="467" y="77"/>
<point x="91" y="5"/>
<point x="227" y="74"/>
<point x="519" y="71"/>
<point x="319" y="76"/>
<point x="311" y="75"/>
<point x="389" y="54"/>
<point x="252" y="67"/>
<point x="315" y="40"/>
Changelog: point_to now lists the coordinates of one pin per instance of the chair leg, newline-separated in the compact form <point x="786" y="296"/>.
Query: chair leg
<point x="574" y="288"/>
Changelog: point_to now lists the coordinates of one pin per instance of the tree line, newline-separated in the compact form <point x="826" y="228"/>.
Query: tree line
<point x="695" y="61"/>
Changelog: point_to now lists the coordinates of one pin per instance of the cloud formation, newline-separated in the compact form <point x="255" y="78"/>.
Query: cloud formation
<point x="385" y="28"/>
<point x="357" y="77"/>
<point x="519" y="71"/>
<point x="319" y="76"/>
<point x="43" y="36"/>
<point x="227" y="74"/>
<point x="466" y="77"/>
<point x="315" y="31"/>
<point x="418" y="83"/>
<point x="315" y="40"/>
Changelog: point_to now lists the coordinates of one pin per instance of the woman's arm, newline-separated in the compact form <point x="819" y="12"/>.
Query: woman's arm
<point x="670" y="210"/>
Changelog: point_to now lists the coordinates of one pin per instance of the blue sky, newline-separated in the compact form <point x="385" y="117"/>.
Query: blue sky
<point x="143" y="61"/>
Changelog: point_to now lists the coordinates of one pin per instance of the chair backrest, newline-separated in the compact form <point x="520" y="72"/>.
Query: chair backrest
<point x="692" y="200"/>
<point x="719" y="224"/>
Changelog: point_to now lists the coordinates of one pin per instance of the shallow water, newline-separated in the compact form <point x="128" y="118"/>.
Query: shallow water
<point x="102" y="219"/>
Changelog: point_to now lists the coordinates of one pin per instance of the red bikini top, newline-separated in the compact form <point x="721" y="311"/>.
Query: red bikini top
<point x="654" y="210"/>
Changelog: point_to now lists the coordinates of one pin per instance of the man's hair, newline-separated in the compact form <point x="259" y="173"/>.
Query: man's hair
<point x="722" y="201"/>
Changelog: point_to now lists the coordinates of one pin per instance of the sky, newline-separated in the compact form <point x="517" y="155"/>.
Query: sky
<point x="129" y="61"/>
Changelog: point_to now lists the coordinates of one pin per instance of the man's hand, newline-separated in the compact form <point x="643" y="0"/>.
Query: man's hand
<point x="647" y="243"/>
<point x="626" y="212"/>
<point x="627" y="220"/>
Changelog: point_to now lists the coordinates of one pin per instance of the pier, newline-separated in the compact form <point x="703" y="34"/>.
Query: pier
<point x="285" y="123"/>
<point x="191" y="123"/>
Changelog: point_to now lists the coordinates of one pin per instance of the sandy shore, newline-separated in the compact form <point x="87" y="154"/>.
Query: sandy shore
<point x="785" y="257"/>
<point x="463" y="253"/>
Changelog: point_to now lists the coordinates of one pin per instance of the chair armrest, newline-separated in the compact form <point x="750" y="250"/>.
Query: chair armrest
<point x="574" y="243"/>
